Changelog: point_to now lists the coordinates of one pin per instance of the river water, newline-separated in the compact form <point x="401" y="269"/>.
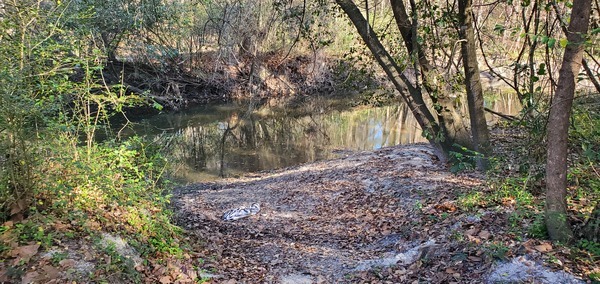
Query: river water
<point x="209" y="142"/>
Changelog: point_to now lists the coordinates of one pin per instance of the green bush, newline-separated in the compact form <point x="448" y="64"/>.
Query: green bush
<point x="53" y="101"/>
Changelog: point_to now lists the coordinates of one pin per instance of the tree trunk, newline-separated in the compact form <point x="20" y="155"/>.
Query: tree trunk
<point x="558" y="125"/>
<point x="479" y="130"/>
<point x="414" y="99"/>
<point x="450" y="119"/>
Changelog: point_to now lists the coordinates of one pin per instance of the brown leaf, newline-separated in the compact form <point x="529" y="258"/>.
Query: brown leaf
<point x="474" y="239"/>
<point x="165" y="280"/>
<point x="66" y="263"/>
<point x="474" y="258"/>
<point x="528" y="246"/>
<point x="93" y="225"/>
<point x="6" y="236"/>
<point x="30" y="277"/>
<point x="159" y="270"/>
<point x="400" y="271"/>
<point x="507" y="201"/>
<point x="3" y="276"/>
<point x="472" y="232"/>
<point x="544" y="247"/>
<point x="17" y="217"/>
<point x="484" y="235"/>
<point x="192" y="274"/>
<point x="178" y="275"/>
<point x="61" y="227"/>
<point x="446" y="206"/>
<point x="51" y="272"/>
<point x="18" y="207"/>
<point x="24" y="253"/>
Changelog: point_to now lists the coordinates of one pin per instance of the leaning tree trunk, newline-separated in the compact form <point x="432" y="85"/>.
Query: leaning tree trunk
<point x="414" y="98"/>
<point x="479" y="130"/>
<point x="449" y="117"/>
<point x="558" y="124"/>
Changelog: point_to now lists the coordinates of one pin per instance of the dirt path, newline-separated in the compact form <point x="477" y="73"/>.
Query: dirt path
<point x="331" y="221"/>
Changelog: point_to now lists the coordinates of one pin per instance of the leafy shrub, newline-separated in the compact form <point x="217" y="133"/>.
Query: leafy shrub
<point x="117" y="187"/>
<point x="53" y="101"/>
<point x="463" y="160"/>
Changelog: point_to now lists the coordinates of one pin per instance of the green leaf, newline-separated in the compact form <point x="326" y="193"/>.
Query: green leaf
<point x="551" y="42"/>
<point x="157" y="106"/>
<point x="563" y="42"/>
<point x="542" y="69"/>
<point x="499" y="28"/>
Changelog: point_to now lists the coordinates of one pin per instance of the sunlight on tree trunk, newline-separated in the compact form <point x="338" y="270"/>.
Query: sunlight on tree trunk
<point x="479" y="130"/>
<point x="414" y="98"/>
<point x="558" y="124"/>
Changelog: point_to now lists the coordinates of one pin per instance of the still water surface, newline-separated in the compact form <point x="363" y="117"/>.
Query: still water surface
<point x="228" y="140"/>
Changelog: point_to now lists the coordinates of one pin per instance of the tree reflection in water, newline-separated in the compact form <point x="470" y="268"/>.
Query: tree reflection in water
<point x="208" y="142"/>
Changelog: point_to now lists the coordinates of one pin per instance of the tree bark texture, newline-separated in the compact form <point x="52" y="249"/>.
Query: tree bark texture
<point x="479" y="130"/>
<point x="414" y="98"/>
<point x="558" y="124"/>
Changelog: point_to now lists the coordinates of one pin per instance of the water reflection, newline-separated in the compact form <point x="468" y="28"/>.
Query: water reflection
<point x="213" y="141"/>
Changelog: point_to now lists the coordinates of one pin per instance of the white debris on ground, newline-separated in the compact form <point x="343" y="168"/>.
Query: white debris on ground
<point x="122" y="248"/>
<point x="405" y="258"/>
<point x="523" y="270"/>
<point x="296" y="279"/>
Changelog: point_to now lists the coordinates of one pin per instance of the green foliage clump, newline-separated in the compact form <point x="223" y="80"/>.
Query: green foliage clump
<point x="56" y="180"/>
<point x="116" y="188"/>
<point x="584" y="140"/>
<point x="463" y="159"/>
<point x="525" y="216"/>
<point x="509" y="191"/>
